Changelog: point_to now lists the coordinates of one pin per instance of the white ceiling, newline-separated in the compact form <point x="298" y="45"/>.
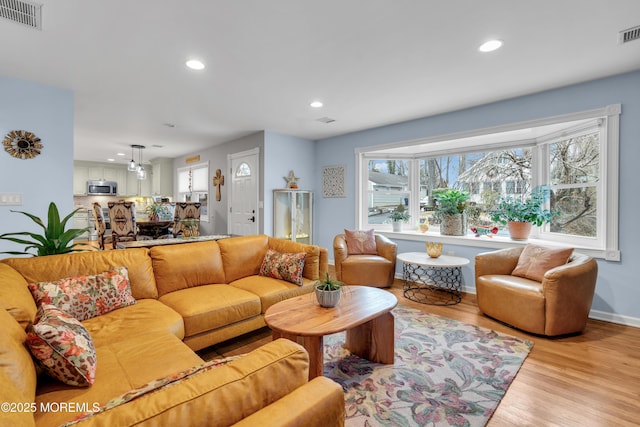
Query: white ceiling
<point x="372" y="62"/>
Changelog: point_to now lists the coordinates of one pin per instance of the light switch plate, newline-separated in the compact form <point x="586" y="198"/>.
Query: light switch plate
<point x="10" y="199"/>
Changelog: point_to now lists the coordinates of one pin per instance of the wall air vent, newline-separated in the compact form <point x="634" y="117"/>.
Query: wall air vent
<point x="629" y="35"/>
<point x="23" y="12"/>
<point x="326" y="120"/>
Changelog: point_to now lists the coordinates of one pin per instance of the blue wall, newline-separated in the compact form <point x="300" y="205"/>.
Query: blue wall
<point x="618" y="286"/>
<point x="48" y="113"/>
<point x="283" y="153"/>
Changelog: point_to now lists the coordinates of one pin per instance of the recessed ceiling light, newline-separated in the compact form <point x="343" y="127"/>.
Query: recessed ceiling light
<point x="490" y="46"/>
<point x="120" y="154"/>
<point x="194" y="64"/>
<point x="111" y="160"/>
<point x="316" y="104"/>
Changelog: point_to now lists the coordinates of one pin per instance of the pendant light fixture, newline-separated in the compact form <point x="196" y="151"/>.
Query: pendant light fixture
<point x="132" y="167"/>
<point x="141" y="173"/>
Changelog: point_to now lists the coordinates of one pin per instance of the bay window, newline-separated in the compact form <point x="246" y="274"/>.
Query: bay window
<point x="576" y="155"/>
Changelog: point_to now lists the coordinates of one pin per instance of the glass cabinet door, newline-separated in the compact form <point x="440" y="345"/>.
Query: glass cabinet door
<point x="292" y="215"/>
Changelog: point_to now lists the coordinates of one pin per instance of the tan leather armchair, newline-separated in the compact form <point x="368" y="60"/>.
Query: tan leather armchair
<point x="371" y="270"/>
<point x="558" y="305"/>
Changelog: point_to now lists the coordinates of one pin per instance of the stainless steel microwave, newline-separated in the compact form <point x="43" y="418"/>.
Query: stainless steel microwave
<point x="102" y="188"/>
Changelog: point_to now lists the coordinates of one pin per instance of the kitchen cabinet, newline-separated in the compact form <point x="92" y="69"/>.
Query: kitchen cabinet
<point x="81" y="220"/>
<point x="293" y="215"/>
<point x="162" y="178"/>
<point x="80" y="178"/>
<point x="84" y="171"/>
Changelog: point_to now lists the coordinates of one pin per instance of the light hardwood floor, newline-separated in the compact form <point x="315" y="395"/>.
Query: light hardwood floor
<point x="591" y="379"/>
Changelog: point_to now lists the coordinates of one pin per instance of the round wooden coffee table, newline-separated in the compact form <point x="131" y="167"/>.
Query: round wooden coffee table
<point x="363" y="312"/>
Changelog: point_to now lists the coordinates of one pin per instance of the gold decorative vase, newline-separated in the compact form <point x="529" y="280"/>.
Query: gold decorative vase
<point x="434" y="250"/>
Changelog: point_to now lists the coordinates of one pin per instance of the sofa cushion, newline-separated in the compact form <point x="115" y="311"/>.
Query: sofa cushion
<point x="62" y="346"/>
<point x="15" y="360"/>
<point x="123" y="365"/>
<point x="186" y="265"/>
<point x="536" y="260"/>
<point x="242" y="256"/>
<point x="272" y="290"/>
<point x="148" y="315"/>
<point x="84" y="297"/>
<point x="9" y="394"/>
<point x="15" y="296"/>
<point x="55" y="267"/>
<point x="208" y="307"/>
<point x="360" y="242"/>
<point x="285" y="266"/>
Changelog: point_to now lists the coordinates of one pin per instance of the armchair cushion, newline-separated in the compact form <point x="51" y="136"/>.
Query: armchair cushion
<point x="361" y="242"/>
<point x="535" y="261"/>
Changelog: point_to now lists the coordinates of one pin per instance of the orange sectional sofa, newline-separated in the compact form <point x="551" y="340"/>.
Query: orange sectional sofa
<point x="188" y="297"/>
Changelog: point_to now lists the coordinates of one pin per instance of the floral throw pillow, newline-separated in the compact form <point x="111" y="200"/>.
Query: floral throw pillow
<point x="85" y="297"/>
<point x="285" y="266"/>
<point x="361" y="242"/>
<point x="62" y="346"/>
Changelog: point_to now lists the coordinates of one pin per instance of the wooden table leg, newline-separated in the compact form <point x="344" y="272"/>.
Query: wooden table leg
<point x="373" y="340"/>
<point x="315" y="348"/>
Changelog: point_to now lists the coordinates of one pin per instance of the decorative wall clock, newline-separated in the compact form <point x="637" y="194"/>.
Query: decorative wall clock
<point x="22" y="144"/>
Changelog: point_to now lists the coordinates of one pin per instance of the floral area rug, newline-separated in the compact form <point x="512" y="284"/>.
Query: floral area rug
<point x="446" y="373"/>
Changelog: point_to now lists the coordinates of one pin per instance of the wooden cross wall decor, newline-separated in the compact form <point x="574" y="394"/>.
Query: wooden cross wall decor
<point x="218" y="180"/>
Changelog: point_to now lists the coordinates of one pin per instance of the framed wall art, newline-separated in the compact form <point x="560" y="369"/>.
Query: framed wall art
<point x="334" y="181"/>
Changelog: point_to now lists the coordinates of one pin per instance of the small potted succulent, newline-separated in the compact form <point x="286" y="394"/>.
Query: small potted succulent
<point x="519" y="214"/>
<point x="328" y="291"/>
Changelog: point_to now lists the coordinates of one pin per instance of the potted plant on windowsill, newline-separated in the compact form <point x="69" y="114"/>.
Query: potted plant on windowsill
<point x="398" y="216"/>
<point x="328" y="291"/>
<point x="451" y="207"/>
<point x="519" y="214"/>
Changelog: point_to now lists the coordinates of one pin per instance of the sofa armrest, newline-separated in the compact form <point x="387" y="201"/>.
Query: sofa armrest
<point x="324" y="262"/>
<point x="386" y="248"/>
<point x="220" y="396"/>
<point x="319" y="403"/>
<point x="568" y="291"/>
<point x="502" y="261"/>
<point x="340" y="253"/>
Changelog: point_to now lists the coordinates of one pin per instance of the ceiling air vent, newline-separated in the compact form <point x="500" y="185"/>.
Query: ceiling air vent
<point x="629" y="35"/>
<point x="22" y="12"/>
<point x="326" y="120"/>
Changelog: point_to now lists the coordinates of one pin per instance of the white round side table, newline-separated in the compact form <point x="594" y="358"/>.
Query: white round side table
<point x="436" y="281"/>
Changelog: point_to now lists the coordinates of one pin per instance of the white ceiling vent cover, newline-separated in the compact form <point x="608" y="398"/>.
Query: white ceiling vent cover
<point x="22" y="12"/>
<point x="629" y="35"/>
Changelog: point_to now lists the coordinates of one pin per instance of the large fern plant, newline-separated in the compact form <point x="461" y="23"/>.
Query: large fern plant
<point x="55" y="240"/>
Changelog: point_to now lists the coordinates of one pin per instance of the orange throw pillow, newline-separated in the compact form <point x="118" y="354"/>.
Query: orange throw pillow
<point x="535" y="261"/>
<point x="361" y="242"/>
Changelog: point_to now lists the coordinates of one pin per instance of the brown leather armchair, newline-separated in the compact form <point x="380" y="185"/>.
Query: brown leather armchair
<point x="558" y="305"/>
<point x="371" y="270"/>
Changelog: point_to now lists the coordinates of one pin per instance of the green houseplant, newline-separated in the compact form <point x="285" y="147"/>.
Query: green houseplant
<point x="54" y="240"/>
<point x="518" y="214"/>
<point x="398" y="216"/>
<point x="155" y="210"/>
<point x="328" y="291"/>
<point x="451" y="205"/>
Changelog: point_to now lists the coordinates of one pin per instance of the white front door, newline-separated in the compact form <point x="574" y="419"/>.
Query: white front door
<point x="243" y="203"/>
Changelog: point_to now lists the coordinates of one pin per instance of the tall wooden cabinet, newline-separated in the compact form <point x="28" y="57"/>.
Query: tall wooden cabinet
<point x="293" y="215"/>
